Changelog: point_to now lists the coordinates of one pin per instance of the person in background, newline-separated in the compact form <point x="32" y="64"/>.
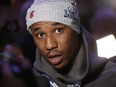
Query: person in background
<point x="65" y="50"/>
<point x="103" y="23"/>
<point x="13" y="63"/>
<point x="16" y="23"/>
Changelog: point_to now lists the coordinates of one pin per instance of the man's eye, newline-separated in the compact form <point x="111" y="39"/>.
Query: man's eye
<point x="59" y="30"/>
<point x="41" y="35"/>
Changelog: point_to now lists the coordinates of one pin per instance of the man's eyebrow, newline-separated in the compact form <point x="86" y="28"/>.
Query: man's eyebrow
<point x="36" y="29"/>
<point x="56" y="23"/>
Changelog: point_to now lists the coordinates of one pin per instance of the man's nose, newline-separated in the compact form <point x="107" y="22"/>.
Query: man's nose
<point x="51" y="43"/>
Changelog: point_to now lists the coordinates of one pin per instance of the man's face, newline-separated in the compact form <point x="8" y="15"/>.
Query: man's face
<point x="57" y="43"/>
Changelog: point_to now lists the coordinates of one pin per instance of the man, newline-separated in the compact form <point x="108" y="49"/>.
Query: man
<point x="65" y="51"/>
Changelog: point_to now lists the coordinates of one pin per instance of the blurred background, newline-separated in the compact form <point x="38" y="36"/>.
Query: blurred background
<point x="97" y="16"/>
<point x="13" y="28"/>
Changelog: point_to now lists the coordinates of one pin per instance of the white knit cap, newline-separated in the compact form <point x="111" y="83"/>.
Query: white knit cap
<point x="62" y="11"/>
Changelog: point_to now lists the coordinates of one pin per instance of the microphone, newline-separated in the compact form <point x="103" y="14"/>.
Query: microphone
<point x="42" y="81"/>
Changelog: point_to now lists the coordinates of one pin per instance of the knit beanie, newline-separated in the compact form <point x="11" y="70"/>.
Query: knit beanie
<point x="62" y="11"/>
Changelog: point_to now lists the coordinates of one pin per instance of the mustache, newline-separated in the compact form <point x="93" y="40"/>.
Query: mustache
<point x="56" y="52"/>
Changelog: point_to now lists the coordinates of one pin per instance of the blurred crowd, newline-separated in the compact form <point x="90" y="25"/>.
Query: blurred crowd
<point x="13" y="28"/>
<point x="97" y="16"/>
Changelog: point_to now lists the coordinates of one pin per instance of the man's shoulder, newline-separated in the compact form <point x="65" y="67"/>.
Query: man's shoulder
<point x="110" y="67"/>
<point x="36" y="73"/>
<point x="107" y="78"/>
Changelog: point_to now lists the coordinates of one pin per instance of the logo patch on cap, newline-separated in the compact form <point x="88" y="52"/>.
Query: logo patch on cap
<point x="31" y="14"/>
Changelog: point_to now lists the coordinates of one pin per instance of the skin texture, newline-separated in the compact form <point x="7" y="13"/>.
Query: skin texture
<point x="58" y="44"/>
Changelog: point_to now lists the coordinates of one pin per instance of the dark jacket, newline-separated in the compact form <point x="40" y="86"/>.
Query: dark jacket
<point x="89" y="70"/>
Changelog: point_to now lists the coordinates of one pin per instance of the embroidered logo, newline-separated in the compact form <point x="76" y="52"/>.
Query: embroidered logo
<point x="73" y="2"/>
<point x="70" y="13"/>
<point x="31" y="14"/>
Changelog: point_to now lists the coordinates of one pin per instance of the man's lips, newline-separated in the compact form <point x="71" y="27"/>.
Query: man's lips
<point x="54" y="58"/>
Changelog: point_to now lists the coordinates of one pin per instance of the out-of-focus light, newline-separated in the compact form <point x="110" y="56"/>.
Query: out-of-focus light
<point x="107" y="46"/>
